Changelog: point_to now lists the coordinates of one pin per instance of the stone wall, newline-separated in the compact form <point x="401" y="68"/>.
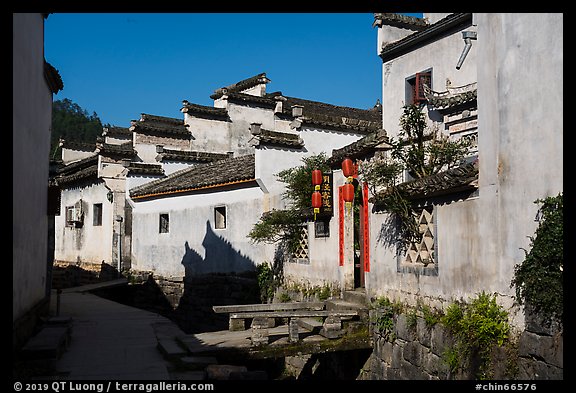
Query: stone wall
<point x="66" y="274"/>
<point x="188" y="300"/>
<point x="541" y="349"/>
<point x="415" y="352"/>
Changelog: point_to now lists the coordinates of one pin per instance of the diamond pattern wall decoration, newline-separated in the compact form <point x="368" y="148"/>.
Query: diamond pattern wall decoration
<point x="422" y="253"/>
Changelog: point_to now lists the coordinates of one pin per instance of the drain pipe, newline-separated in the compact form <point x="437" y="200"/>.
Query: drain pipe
<point x="119" y="219"/>
<point x="468" y="36"/>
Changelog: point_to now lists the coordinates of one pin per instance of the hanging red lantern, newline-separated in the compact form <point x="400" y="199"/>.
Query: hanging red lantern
<point x="316" y="202"/>
<point x="348" y="167"/>
<point x="348" y="192"/>
<point x="316" y="178"/>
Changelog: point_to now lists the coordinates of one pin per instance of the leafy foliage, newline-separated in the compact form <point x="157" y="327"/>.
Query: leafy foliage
<point x="424" y="151"/>
<point x="72" y="123"/>
<point x="285" y="225"/>
<point x="539" y="278"/>
<point x="385" y="320"/>
<point x="477" y="327"/>
<point x="421" y="152"/>
<point x="266" y="282"/>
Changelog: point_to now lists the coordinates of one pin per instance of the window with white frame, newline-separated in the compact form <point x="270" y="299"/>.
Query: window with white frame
<point x="220" y="217"/>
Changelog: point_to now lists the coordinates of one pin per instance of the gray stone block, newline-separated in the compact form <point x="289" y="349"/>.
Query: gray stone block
<point x="550" y="349"/>
<point x="223" y="371"/>
<point x="403" y="331"/>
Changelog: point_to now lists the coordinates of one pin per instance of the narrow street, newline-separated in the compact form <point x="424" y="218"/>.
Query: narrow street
<point x="109" y="340"/>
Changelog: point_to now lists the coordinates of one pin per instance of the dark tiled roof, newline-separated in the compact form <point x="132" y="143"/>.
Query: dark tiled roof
<point x="398" y="20"/>
<point x="204" y="111"/>
<point x="142" y="168"/>
<point x="79" y="170"/>
<point x="280" y="139"/>
<point x="117" y="131"/>
<point x="53" y="78"/>
<point x="452" y="97"/>
<point x="252" y="99"/>
<point x="160" y="124"/>
<point x="123" y="150"/>
<point x="76" y="145"/>
<point x="232" y="170"/>
<point x="461" y="178"/>
<point x="434" y="31"/>
<point x="181" y="155"/>
<point x="240" y="86"/>
<point x="359" y="148"/>
<point x="343" y="117"/>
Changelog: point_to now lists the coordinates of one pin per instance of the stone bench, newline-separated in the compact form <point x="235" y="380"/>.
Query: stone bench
<point x="331" y="328"/>
<point x="239" y="323"/>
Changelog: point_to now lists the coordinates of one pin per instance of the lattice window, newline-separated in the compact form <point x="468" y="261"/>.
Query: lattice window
<point x="422" y="253"/>
<point x="302" y="250"/>
<point x="415" y="93"/>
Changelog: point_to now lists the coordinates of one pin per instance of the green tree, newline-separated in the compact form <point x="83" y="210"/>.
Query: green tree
<point x="285" y="225"/>
<point x="72" y="123"/>
<point x="422" y="152"/>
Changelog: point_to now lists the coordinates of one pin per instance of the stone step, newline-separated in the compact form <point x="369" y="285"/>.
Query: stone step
<point x="310" y="324"/>
<point x="196" y="362"/>
<point x="340" y="305"/>
<point x="357" y="296"/>
<point x="171" y="349"/>
<point x="49" y="343"/>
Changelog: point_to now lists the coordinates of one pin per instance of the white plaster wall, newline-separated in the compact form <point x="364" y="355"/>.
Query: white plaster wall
<point x="174" y="166"/>
<point x="70" y="155"/>
<point x="208" y="135"/>
<point x="193" y="245"/>
<point x="480" y="240"/>
<point x="89" y="243"/>
<point x="442" y="56"/>
<point x="520" y="110"/>
<point x="31" y="122"/>
<point x="147" y="152"/>
<point x="137" y="180"/>
<point x="323" y="267"/>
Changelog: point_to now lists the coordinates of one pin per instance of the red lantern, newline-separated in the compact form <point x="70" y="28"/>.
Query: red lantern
<point x="316" y="178"/>
<point x="316" y="202"/>
<point x="348" y="167"/>
<point x="348" y="192"/>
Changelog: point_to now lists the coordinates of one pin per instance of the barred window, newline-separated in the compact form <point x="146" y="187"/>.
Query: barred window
<point x="322" y="228"/>
<point x="164" y="223"/>
<point x="97" y="214"/>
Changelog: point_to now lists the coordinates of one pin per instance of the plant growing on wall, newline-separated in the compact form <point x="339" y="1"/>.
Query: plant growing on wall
<point x="477" y="327"/>
<point x="419" y="150"/>
<point x="285" y="225"/>
<point x="539" y="278"/>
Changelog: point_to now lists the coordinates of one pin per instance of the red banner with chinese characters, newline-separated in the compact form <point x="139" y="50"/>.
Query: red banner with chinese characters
<point x="341" y="225"/>
<point x="365" y="228"/>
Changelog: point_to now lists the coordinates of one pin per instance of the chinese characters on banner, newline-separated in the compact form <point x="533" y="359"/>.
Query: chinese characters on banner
<point x="327" y="209"/>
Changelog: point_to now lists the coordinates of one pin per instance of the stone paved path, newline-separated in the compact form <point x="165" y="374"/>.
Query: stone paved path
<point x="110" y="340"/>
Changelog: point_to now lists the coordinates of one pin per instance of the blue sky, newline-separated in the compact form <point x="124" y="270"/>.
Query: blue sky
<point x="122" y="65"/>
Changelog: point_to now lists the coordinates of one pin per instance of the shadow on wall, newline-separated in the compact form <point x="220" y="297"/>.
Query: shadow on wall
<point x="220" y="257"/>
<point x="223" y="277"/>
